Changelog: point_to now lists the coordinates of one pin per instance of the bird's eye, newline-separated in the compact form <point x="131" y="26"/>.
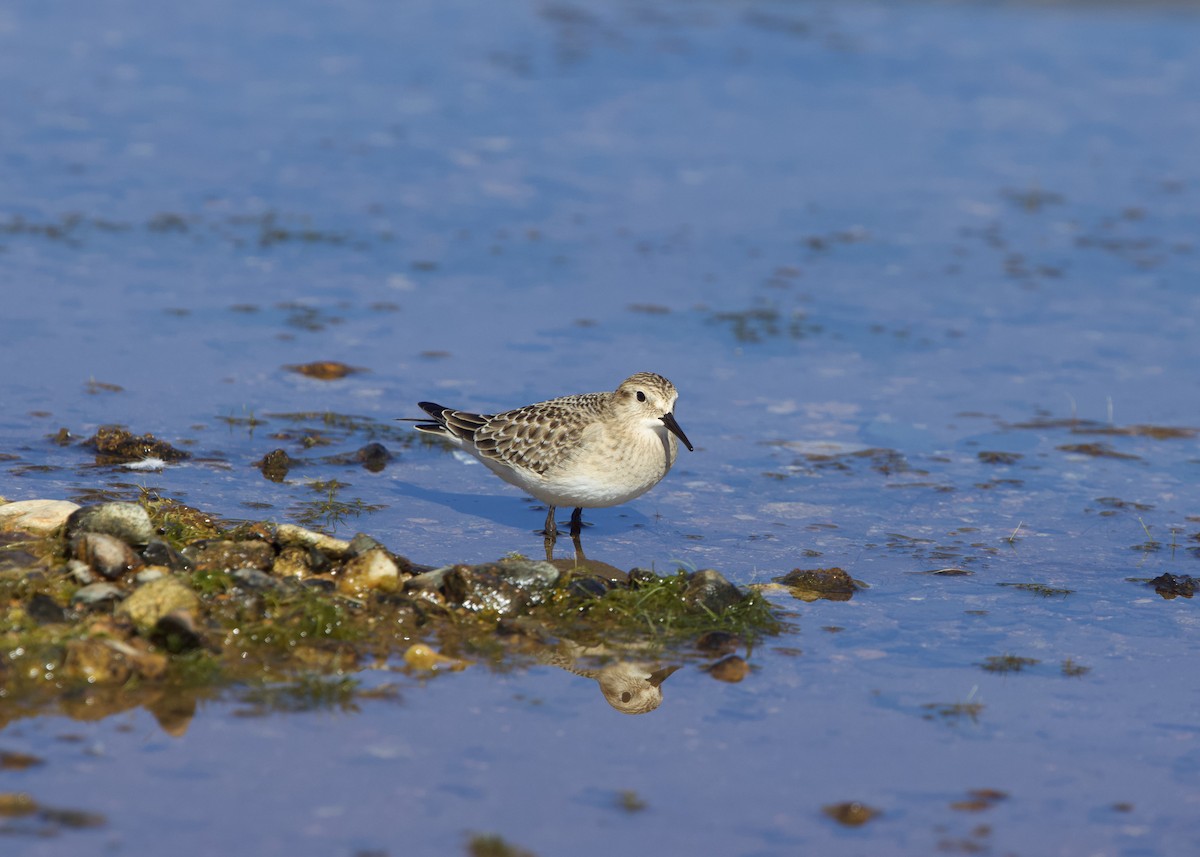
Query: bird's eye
<point x="626" y="696"/>
<point x="641" y="396"/>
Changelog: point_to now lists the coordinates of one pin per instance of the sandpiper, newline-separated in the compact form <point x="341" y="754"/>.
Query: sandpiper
<point x="587" y="451"/>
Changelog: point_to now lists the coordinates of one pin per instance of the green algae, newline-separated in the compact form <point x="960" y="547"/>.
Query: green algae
<point x="656" y="610"/>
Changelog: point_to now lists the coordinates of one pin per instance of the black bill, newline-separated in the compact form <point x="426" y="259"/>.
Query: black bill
<point x="673" y="428"/>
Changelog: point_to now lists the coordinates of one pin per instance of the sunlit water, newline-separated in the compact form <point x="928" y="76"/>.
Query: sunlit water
<point x="867" y="243"/>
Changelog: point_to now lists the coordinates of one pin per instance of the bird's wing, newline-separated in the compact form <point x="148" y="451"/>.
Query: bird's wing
<point x="537" y="437"/>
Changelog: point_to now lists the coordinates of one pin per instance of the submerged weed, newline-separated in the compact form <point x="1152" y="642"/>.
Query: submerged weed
<point x="953" y="712"/>
<point x="1074" y="670"/>
<point x="630" y="801"/>
<point x="306" y="693"/>
<point x="330" y="511"/>
<point x="1007" y="663"/>
<point x="1041" y="589"/>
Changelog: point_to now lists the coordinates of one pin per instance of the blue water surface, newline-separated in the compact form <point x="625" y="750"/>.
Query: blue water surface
<point x="867" y="241"/>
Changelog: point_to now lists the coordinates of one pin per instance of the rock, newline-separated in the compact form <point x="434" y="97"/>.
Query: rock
<point x="531" y="575"/>
<point x="293" y="561"/>
<point x="506" y="587"/>
<point x="275" y="465"/>
<point x="290" y="534"/>
<point x="428" y="580"/>
<point x="115" y="445"/>
<point x="128" y="522"/>
<point x="642" y="577"/>
<point x="850" y="813"/>
<point x="361" y="543"/>
<point x="106" y="555"/>
<point x="588" y="587"/>
<point x="149" y="603"/>
<point x="374" y="457"/>
<point x="833" y="584"/>
<point x="158" y="552"/>
<point x="374" y="569"/>
<point x="39" y="517"/>
<point x="1172" y="585"/>
<point x="96" y="594"/>
<point x="225" y="555"/>
<point x="731" y="669"/>
<point x="708" y="589"/>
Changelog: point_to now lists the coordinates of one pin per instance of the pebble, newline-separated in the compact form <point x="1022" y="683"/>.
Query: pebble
<point x="128" y="522"/>
<point x="296" y="561"/>
<point x="374" y="457"/>
<point x="150" y="573"/>
<point x="505" y="588"/>
<point x="106" y="555"/>
<point x="429" y="581"/>
<point x="374" y="569"/>
<point x="253" y="578"/>
<point x="81" y="572"/>
<point x="222" y="555"/>
<point x="150" y="602"/>
<point x="292" y="534"/>
<point x="361" y="543"/>
<point x="176" y="632"/>
<point x="275" y="465"/>
<point x="709" y="589"/>
<point x="96" y="594"/>
<point x="833" y="584"/>
<point x="158" y="552"/>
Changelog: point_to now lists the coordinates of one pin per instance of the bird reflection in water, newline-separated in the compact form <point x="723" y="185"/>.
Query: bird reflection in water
<point x="629" y="686"/>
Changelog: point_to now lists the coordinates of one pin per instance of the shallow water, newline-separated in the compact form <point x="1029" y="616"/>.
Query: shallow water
<point x="868" y="243"/>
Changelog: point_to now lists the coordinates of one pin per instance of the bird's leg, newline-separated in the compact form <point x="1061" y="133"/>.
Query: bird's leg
<point x="576" y="522"/>
<point x="579" y="555"/>
<point x="551" y="534"/>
